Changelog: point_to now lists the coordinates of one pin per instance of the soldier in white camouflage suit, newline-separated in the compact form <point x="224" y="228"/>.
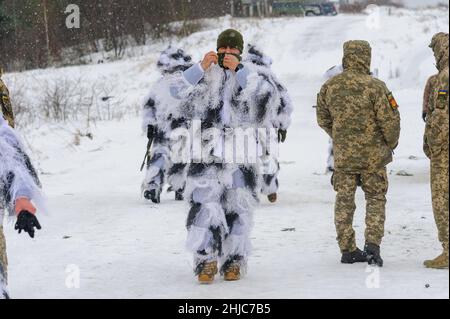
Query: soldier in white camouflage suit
<point x="19" y="185"/>
<point x="281" y="121"/>
<point x="159" y="120"/>
<point x="225" y="95"/>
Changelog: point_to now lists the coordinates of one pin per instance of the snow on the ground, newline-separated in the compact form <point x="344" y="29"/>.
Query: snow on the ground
<point x="125" y="247"/>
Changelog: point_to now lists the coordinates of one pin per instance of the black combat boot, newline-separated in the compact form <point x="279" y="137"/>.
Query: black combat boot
<point x="373" y="254"/>
<point x="357" y="256"/>
<point x="179" y="195"/>
<point x="153" y="195"/>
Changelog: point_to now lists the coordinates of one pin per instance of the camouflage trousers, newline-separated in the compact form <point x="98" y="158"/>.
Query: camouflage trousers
<point x="375" y="186"/>
<point x="439" y="190"/>
<point x="3" y="259"/>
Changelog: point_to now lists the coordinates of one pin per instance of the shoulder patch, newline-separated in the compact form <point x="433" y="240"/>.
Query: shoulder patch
<point x="5" y="99"/>
<point x="442" y="99"/>
<point x="392" y="101"/>
<point x="442" y="94"/>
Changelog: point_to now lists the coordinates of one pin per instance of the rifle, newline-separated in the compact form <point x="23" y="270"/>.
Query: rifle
<point x="151" y="131"/>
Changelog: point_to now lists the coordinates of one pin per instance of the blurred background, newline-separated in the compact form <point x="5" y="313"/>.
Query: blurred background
<point x="34" y="33"/>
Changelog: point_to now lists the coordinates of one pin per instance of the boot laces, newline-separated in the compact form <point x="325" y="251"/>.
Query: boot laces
<point x="233" y="268"/>
<point x="210" y="268"/>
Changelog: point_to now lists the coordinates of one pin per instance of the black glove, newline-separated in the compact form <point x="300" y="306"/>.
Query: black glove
<point x="424" y="116"/>
<point x="282" y="136"/>
<point x="26" y="221"/>
<point x="151" y="130"/>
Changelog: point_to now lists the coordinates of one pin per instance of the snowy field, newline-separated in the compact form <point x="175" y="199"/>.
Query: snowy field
<point x="125" y="247"/>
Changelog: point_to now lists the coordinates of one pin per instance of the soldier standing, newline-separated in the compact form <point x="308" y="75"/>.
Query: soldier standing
<point x="160" y="119"/>
<point x="436" y="146"/>
<point x="361" y="116"/>
<point x="225" y="96"/>
<point x="281" y="120"/>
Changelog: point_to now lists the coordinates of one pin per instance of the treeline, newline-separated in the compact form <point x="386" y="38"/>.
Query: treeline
<point x="34" y="34"/>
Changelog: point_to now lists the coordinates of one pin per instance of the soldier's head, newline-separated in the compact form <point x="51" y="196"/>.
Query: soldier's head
<point x="357" y="56"/>
<point x="230" y="42"/>
<point x="439" y="45"/>
<point x="173" y="60"/>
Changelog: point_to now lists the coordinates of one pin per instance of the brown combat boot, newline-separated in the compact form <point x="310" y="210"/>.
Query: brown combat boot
<point x="440" y="262"/>
<point x="233" y="272"/>
<point x="272" y="197"/>
<point x="207" y="273"/>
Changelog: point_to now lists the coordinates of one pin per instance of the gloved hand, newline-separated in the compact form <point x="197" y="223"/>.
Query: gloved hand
<point x="282" y="134"/>
<point x="424" y="116"/>
<point x="26" y="221"/>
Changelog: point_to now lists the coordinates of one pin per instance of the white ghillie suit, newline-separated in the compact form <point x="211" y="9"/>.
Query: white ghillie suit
<point x="161" y="114"/>
<point x="332" y="72"/>
<point x="18" y="179"/>
<point x="281" y="120"/>
<point x="222" y="194"/>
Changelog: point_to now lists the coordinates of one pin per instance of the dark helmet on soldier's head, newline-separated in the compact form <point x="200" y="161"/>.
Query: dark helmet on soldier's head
<point x="231" y="38"/>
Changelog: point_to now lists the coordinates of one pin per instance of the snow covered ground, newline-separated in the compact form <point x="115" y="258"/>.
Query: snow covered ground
<point x="124" y="247"/>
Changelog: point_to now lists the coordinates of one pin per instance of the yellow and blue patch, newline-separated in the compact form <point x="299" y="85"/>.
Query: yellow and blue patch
<point x="442" y="99"/>
<point x="442" y="94"/>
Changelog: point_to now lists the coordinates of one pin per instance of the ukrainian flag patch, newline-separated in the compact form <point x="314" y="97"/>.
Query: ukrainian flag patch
<point x="392" y="101"/>
<point x="442" y="99"/>
<point x="442" y="94"/>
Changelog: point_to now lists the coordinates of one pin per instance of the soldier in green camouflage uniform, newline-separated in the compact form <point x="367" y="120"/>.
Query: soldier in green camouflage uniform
<point x="5" y="103"/>
<point x="361" y="116"/>
<point x="436" y="143"/>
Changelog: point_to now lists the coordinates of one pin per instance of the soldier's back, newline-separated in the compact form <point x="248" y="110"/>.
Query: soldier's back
<point x="359" y="142"/>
